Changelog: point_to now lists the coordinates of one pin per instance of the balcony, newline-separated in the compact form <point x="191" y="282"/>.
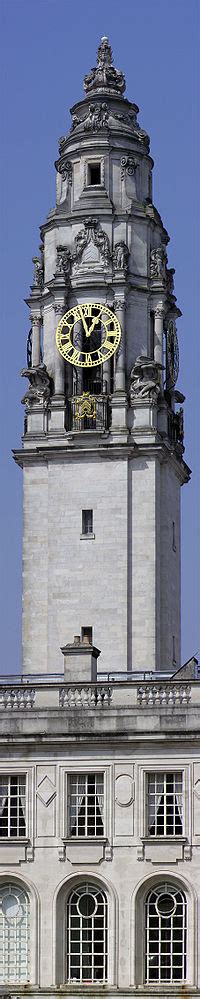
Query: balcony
<point x="89" y="412"/>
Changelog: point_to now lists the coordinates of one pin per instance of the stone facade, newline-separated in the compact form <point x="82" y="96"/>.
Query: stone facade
<point x="104" y="242"/>
<point x="100" y="771"/>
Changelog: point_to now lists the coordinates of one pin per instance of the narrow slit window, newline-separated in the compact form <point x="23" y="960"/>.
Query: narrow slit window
<point x="173" y="536"/>
<point x="94" y="174"/>
<point x="87" y="521"/>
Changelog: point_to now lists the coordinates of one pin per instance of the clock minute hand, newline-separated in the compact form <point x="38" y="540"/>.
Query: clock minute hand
<point x="82" y="317"/>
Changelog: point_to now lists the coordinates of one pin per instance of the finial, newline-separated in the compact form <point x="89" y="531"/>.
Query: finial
<point x="104" y="76"/>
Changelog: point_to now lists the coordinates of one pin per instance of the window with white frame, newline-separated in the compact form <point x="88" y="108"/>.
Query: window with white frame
<point x="86" y="804"/>
<point x="165" y="804"/>
<point x="14" y="934"/>
<point x="12" y="805"/>
<point x="166" y="919"/>
<point x="87" y="934"/>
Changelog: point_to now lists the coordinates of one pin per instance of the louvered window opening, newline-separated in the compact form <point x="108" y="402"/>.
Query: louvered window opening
<point x="86" y="805"/>
<point x="14" y="935"/>
<point x="87" y="951"/>
<point x="166" y="916"/>
<point x="12" y="806"/>
<point x="165" y="804"/>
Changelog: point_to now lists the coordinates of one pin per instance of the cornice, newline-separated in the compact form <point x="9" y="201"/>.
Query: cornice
<point x="133" y="448"/>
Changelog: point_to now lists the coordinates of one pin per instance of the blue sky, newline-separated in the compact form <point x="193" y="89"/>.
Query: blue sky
<point x="46" y="48"/>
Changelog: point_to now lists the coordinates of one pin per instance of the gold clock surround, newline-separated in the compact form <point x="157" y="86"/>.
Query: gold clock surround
<point x="87" y="314"/>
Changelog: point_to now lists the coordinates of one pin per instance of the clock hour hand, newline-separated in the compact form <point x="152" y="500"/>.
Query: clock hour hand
<point x="93" y="324"/>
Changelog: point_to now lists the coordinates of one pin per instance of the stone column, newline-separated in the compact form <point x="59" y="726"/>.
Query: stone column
<point x="158" y="334"/>
<point x="119" y="308"/>
<point x="35" y="322"/>
<point x="77" y="339"/>
<point x="59" y="373"/>
<point x="106" y="365"/>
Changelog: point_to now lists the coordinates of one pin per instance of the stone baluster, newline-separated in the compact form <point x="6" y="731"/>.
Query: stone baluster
<point x="59" y="375"/>
<point x="35" y="322"/>
<point x="158" y="335"/>
<point x="119" y="308"/>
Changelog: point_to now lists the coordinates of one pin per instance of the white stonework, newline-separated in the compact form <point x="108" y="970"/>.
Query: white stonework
<point x="100" y="766"/>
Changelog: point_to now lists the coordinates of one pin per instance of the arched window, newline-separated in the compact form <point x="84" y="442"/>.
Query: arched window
<point x="14" y="934"/>
<point x="87" y="934"/>
<point x="165" y="949"/>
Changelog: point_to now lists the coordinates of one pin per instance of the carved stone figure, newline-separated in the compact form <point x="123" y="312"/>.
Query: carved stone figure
<point x="105" y="74"/>
<point x="39" y="390"/>
<point x="170" y="271"/>
<point x="144" y="380"/>
<point x="158" y="263"/>
<point x="38" y="277"/>
<point x="92" y="231"/>
<point x="97" y="118"/>
<point x="62" y="141"/>
<point x="63" y="263"/>
<point x="120" y="256"/>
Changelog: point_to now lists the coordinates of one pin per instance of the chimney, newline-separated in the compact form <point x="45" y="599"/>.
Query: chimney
<point x="80" y="661"/>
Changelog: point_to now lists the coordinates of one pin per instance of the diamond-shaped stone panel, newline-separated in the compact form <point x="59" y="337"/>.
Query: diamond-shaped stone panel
<point x="46" y="791"/>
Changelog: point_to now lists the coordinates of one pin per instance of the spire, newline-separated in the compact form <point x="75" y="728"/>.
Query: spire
<point x="104" y="76"/>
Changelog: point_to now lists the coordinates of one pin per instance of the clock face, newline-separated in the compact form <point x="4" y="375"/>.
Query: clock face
<point x="172" y="355"/>
<point x="88" y="335"/>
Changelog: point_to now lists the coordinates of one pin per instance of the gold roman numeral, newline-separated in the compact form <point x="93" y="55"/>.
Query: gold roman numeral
<point x="88" y="361"/>
<point x="74" y="357"/>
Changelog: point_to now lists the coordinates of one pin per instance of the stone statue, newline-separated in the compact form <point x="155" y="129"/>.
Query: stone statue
<point x="120" y="256"/>
<point x="96" y="118"/>
<point x="38" y="277"/>
<point x="170" y="271"/>
<point x="144" y="380"/>
<point x="63" y="263"/>
<point x="39" y="390"/>
<point x="104" y="75"/>
<point x="158" y="264"/>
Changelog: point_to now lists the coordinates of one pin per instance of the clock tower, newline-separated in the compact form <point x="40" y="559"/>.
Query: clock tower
<point x="102" y="452"/>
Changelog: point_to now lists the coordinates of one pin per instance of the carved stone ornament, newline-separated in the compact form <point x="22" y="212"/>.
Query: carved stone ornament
<point x="128" y="165"/>
<point x="63" y="263"/>
<point x="38" y="276"/>
<point x="64" y="167"/>
<point x="170" y="271"/>
<point x="158" y="262"/>
<point x="39" y="390"/>
<point x="104" y="74"/>
<point x="120" y="256"/>
<point x="92" y="232"/>
<point x="144" y="380"/>
<point x="97" y="118"/>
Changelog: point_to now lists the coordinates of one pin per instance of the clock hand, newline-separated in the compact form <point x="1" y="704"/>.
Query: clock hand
<point x="95" y="320"/>
<point x="82" y="317"/>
